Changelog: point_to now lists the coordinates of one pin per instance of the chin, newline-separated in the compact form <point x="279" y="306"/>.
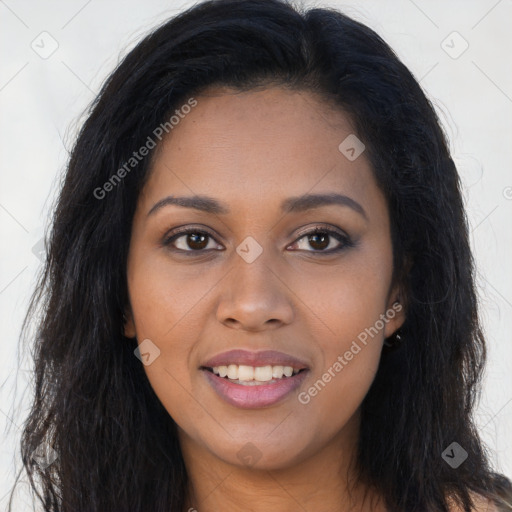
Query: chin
<point x="262" y="454"/>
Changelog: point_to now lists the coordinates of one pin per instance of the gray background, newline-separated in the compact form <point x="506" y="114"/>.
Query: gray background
<point x="43" y="96"/>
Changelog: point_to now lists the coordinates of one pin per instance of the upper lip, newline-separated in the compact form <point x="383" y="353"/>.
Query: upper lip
<point x="250" y="358"/>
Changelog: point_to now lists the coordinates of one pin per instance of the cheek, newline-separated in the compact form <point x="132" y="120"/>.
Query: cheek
<point x="346" y="300"/>
<point x="332" y="400"/>
<point x="350" y="349"/>
<point x="349" y="332"/>
<point x="164" y="305"/>
<point x="162" y="297"/>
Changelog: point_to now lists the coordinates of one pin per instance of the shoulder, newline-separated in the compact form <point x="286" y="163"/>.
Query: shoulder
<point x="481" y="504"/>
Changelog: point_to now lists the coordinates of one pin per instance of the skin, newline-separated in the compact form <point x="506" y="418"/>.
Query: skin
<point x="250" y="151"/>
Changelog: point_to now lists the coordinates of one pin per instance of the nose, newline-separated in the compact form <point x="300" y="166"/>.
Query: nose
<point x="253" y="298"/>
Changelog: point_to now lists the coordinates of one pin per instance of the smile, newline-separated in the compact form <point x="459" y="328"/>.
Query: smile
<point x="250" y="387"/>
<point x="254" y="375"/>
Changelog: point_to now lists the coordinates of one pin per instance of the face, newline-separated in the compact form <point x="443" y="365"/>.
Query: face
<point x="243" y="270"/>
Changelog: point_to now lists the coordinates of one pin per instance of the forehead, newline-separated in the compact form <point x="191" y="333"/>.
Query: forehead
<point x="245" y="147"/>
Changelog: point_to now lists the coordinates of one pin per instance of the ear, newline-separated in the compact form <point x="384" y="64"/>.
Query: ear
<point x="129" y="324"/>
<point x="395" y="311"/>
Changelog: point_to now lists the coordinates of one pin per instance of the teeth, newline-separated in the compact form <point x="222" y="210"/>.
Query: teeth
<point x="246" y="373"/>
<point x="262" y="373"/>
<point x="277" y="372"/>
<point x="232" y="371"/>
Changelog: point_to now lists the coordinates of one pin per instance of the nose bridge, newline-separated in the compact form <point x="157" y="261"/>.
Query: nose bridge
<point x="252" y="273"/>
<point x="253" y="295"/>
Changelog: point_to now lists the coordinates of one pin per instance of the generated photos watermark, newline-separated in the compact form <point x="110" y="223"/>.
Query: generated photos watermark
<point x="147" y="352"/>
<point x="44" y="455"/>
<point x="454" y="455"/>
<point x="342" y="360"/>
<point x="143" y="151"/>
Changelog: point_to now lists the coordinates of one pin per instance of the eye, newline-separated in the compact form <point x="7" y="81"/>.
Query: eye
<point x="321" y="238"/>
<point x="190" y="240"/>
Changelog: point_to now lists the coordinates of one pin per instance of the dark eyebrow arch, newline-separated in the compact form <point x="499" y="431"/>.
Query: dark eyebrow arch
<point x="290" y="205"/>
<point x="202" y="203"/>
<point x="310" y="201"/>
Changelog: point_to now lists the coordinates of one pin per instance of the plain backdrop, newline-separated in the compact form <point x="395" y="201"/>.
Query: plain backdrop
<point x="55" y="56"/>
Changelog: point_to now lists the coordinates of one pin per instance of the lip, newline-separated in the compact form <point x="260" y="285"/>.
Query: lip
<point x="254" y="397"/>
<point x="250" y="358"/>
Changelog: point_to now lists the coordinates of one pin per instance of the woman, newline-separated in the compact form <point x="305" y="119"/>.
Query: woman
<point x="259" y="288"/>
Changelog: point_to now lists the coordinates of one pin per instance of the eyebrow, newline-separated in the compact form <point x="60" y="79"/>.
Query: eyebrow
<point x="290" y="205"/>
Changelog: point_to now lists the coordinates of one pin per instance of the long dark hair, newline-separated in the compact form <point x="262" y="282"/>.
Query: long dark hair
<point x="116" y="445"/>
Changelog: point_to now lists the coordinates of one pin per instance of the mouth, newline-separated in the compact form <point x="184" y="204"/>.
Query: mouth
<point x="251" y="380"/>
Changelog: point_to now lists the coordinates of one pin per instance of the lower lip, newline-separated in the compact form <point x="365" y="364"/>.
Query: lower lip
<point x="252" y="397"/>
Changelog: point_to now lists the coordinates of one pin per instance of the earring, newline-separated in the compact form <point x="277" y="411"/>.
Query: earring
<point x="394" y="341"/>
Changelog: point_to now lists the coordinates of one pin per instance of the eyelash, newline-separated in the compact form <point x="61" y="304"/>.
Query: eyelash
<point x="345" y="241"/>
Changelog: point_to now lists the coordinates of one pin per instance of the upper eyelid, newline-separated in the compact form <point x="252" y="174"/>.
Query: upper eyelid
<point x="329" y="228"/>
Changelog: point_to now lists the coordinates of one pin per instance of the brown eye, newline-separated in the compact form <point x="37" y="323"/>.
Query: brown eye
<point x="323" y="241"/>
<point x="196" y="241"/>
<point x="190" y="240"/>
<point x="319" y="241"/>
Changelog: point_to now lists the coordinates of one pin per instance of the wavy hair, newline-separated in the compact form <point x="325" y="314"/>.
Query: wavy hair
<point x="116" y="444"/>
